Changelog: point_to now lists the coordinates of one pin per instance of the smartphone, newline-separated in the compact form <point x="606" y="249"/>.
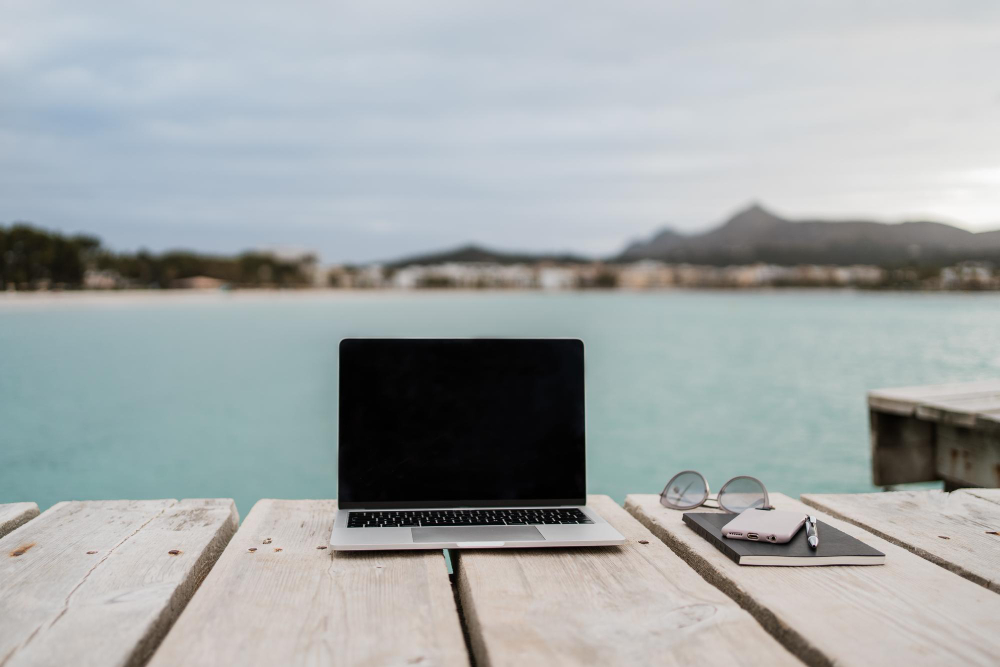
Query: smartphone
<point x="759" y="525"/>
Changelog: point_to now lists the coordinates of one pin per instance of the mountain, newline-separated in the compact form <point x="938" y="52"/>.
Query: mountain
<point x="474" y="253"/>
<point x="758" y="235"/>
<point x="663" y="241"/>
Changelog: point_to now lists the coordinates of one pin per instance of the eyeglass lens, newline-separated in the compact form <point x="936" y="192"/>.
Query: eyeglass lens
<point x="741" y="494"/>
<point x="685" y="490"/>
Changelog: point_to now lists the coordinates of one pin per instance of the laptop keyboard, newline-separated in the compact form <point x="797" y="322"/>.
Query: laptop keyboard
<point x="487" y="517"/>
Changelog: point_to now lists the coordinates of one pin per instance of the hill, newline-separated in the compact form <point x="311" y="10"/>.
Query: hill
<point x="474" y="253"/>
<point x="758" y="235"/>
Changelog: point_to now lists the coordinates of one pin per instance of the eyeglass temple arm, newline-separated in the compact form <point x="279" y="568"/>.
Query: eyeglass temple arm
<point x="714" y="498"/>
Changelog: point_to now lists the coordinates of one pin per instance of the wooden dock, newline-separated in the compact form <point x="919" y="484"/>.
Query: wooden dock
<point x="947" y="432"/>
<point x="175" y="583"/>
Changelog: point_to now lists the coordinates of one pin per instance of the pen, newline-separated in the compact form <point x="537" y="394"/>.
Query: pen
<point x="812" y="532"/>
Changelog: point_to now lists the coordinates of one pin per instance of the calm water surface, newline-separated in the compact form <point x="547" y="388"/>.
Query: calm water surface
<point x="126" y="396"/>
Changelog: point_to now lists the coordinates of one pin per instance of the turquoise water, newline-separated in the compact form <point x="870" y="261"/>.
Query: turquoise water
<point x="127" y="396"/>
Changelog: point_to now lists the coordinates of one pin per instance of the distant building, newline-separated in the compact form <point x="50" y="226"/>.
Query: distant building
<point x="969" y="275"/>
<point x="861" y="274"/>
<point x="754" y="275"/>
<point x="466" y="275"/>
<point x="645" y="274"/>
<point x="197" y="282"/>
<point x="93" y="279"/>
<point x="556" y="277"/>
<point x="369" y="277"/>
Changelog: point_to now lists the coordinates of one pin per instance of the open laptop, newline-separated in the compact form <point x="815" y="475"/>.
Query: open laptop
<point x="463" y="443"/>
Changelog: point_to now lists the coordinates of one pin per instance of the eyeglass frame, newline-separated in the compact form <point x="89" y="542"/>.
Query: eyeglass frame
<point x="708" y="493"/>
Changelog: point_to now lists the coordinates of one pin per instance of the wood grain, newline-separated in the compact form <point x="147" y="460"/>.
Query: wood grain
<point x="959" y="411"/>
<point x="290" y="602"/>
<point x="95" y="582"/>
<point x="949" y="432"/>
<point x="989" y="495"/>
<point x="906" y="400"/>
<point x="953" y="530"/>
<point x="904" y="449"/>
<point x="908" y="611"/>
<point x="967" y="457"/>
<point x="13" y="515"/>
<point x="634" y="604"/>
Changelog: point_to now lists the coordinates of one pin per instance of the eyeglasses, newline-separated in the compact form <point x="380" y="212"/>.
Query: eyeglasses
<point x="689" y="489"/>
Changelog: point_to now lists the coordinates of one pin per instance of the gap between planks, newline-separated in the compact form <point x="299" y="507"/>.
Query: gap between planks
<point x="908" y="611"/>
<point x="619" y="605"/>
<point x="14" y="515"/>
<point x="956" y="530"/>
<point x="279" y="595"/>
<point x="83" y="568"/>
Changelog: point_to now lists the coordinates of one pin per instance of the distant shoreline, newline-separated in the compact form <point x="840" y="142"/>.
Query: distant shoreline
<point x="249" y="295"/>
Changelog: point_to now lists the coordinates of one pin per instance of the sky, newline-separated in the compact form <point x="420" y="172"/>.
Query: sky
<point x="371" y="130"/>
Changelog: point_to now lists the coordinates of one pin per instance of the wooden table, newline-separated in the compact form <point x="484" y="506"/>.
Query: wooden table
<point x="949" y="432"/>
<point x="170" y="582"/>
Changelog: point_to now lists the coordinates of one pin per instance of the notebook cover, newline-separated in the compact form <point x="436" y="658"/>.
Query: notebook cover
<point x="835" y="546"/>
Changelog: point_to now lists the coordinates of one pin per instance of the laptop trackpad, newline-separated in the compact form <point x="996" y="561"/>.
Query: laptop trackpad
<point x="476" y="534"/>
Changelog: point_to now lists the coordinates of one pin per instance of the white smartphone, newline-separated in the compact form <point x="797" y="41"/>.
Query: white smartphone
<point x="759" y="525"/>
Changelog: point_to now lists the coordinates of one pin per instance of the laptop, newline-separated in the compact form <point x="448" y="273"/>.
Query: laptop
<point x="463" y="444"/>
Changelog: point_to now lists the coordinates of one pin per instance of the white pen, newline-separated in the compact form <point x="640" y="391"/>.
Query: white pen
<point x="812" y="531"/>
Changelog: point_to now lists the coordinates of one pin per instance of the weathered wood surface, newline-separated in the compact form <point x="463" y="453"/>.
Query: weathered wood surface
<point x="907" y="400"/>
<point x="949" y="432"/>
<point x="904" y="449"/>
<point x="957" y="530"/>
<point x="967" y="457"/>
<point x="970" y="412"/>
<point x="292" y="601"/>
<point x="98" y="582"/>
<point x="908" y="611"/>
<point x="989" y="495"/>
<point x="634" y="604"/>
<point x="13" y="515"/>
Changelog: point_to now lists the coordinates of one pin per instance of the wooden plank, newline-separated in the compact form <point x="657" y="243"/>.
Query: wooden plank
<point x="989" y="495"/>
<point x="904" y="400"/>
<point x="100" y="582"/>
<point x="949" y="432"/>
<point x="988" y="421"/>
<point x="958" y="411"/>
<point x="953" y="530"/>
<point x="903" y="449"/>
<point x="13" y="515"/>
<point x="628" y="605"/>
<point x="293" y="601"/>
<point x="967" y="457"/>
<point x="908" y="611"/>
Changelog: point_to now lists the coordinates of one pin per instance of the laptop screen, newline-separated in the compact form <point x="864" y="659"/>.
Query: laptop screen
<point x="461" y="422"/>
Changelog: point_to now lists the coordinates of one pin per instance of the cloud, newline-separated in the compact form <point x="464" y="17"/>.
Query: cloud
<point x="370" y="129"/>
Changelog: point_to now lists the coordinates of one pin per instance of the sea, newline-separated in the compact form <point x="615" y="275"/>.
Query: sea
<point x="184" y="395"/>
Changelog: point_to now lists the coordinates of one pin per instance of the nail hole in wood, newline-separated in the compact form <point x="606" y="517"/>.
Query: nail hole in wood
<point x="21" y="550"/>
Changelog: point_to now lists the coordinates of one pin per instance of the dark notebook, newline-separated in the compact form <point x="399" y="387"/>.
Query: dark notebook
<point x="835" y="546"/>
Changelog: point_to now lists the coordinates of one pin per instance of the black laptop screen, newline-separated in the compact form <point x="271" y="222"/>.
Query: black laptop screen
<point x="440" y="423"/>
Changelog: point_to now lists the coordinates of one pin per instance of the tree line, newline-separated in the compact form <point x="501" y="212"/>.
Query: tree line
<point x="35" y="258"/>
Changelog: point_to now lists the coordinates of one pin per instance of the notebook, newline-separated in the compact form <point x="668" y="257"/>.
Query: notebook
<point x="835" y="546"/>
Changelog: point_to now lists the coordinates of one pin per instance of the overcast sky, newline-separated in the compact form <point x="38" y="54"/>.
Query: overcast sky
<point x="374" y="129"/>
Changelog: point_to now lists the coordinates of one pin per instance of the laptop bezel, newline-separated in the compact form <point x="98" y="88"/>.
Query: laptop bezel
<point x="460" y="504"/>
